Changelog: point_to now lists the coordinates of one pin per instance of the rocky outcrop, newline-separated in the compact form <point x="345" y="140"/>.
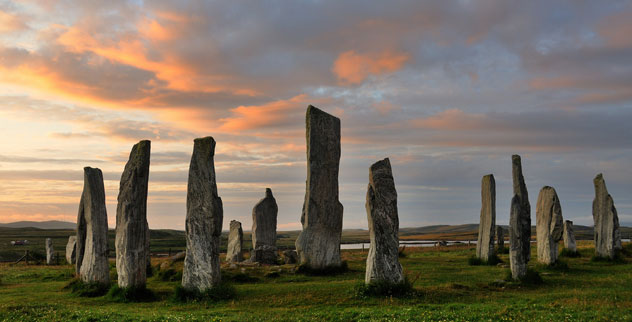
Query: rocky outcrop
<point x="234" y="252"/>
<point x="290" y="257"/>
<point x="264" y="221"/>
<point x="71" y="250"/>
<point x="205" y="214"/>
<point x="549" y="225"/>
<point x="487" y="225"/>
<point x="318" y="245"/>
<point x="132" y="230"/>
<point x="607" y="234"/>
<point x="519" y="223"/>
<point x="500" y="237"/>
<point x="382" y="264"/>
<point x="569" y="237"/>
<point x="92" y="264"/>
<point x="50" y="252"/>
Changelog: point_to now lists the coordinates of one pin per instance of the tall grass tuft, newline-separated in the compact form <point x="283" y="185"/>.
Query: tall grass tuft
<point x="221" y="292"/>
<point x="130" y="294"/>
<point x="475" y="261"/>
<point x="383" y="288"/>
<point x="532" y="277"/>
<point x="80" y="288"/>
<point x="327" y="271"/>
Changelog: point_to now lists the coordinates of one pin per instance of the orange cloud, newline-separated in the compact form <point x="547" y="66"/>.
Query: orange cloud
<point x="10" y="23"/>
<point x="615" y="29"/>
<point x="353" y="68"/>
<point x="452" y="119"/>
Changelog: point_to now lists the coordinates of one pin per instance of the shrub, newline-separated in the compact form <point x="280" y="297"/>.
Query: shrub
<point x="569" y="253"/>
<point x="531" y="278"/>
<point x="80" y="288"/>
<point x="130" y="294"/>
<point x="383" y="288"/>
<point x="327" y="271"/>
<point x="223" y="291"/>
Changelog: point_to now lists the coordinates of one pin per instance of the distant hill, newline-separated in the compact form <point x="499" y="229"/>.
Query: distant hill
<point x="51" y="224"/>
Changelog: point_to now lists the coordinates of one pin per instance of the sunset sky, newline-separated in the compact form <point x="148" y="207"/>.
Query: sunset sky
<point x="448" y="90"/>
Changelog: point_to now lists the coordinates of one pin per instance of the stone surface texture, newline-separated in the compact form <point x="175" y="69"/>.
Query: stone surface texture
<point x="290" y="257"/>
<point x="91" y="263"/>
<point x="382" y="264"/>
<point x="50" y="252"/>
<point x="264" y="224"/>
<point x="519" y="223"/>
<point x="569" y="236"/>
<point x="607" y="234"/>
<point x="234" y="253"/>
<point x="487" y="224"/>
<point x="549" y="225"/>
<point x="500" y="237"/>
<point x="131" y="219"/>
<point x="71" y="250"/>
<point x="318" y="244"/>
<point x="205" y="214"/>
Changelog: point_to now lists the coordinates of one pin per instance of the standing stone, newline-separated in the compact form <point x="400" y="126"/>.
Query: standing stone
<point x="500" y="237"/>
<point x="235" y="241"/>
<point x="92" y="264"/>
<point x="50" y="255"/>
<point x="549" y="225"/>
<point x="205" y="214"/>
<point x="569" y="237"/>
<point x="318" y="245"/>
<point x="264" y="221"/>
<point x="131" y="219"/>
<point x="487" y="225"/>
<point x="519" y="223"/>
<point x="71" y="250"/>
<point x="290" y="257"/>
<point x="382" y="263"/>
<point x="607" y="234"/>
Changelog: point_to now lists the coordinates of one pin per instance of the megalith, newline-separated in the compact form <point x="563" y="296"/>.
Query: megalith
<point x="234" y="252"/>
<point x="318" y="244"/>
<point x="91" y="263"/>
<point x="71" y="250"/>
<point x="382" y="263"/>
<point x="607" y="234"/>
<point x="264" y="222"/>
<point x="132" y="251"/>
<point x="569" y="237"/>
<point x="205" y="214"/>
<point x="549" y="225"/>
<point x="487" y="225"/>
<point x="500" y="237"/>
<point x="50" y="252"/>
<point x="519" y="223"/>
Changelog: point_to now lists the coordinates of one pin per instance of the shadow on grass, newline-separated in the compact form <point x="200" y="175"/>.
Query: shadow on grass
<point x="558" y="266"/>
<point x="82" y="289"/>
<point x="240" y="278"/>
<point x="387" y="289"/>
<point x="493" y="261"/>
<point x="531" y="278"/>
<point x="617" y="259"/>
<point x="569" y="253"/>
<point x="130" y="294"/>
<point x="327" y="271"/>
<point x="223" y="291"/>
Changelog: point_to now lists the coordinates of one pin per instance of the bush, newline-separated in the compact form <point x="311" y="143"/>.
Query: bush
<point x="169" y="275"/>
<point x="130" y="294"/>
<point x="223" y="291"/>
<point x="327" y="271"/>
<point x="531" y="278"/>
<point x="569" y="253"/>
<point x="383" y="288"/>
<point x="475" y="261"/>
<point x="80" y="288"/>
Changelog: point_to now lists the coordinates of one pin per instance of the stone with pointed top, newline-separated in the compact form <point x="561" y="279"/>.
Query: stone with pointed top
<point x="487" y="225"/>
<point x="234" y="253"/>
<point x="71" y="250"/>
<point x="569" y="237"/>
<point x="50" y="252"/>
<point x="607" y="234"/>
<point x="549" y="225"/>
<point x="519" y="223"/>
<point x="264" y="222"/>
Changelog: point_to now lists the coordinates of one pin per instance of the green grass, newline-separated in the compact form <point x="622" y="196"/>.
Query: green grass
<point x="80" y="288"/>
<point x="222" y="292"/>
<point x="446" y="288"/>
<point x="130" y="294"/>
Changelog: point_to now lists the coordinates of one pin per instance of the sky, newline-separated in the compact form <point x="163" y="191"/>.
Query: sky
<point x="448" y="90"/>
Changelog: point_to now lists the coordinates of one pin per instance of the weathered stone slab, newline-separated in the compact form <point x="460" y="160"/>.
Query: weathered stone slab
<point x="519" y="223"/>
<point x="500" y="237"/>
<point x="607" y="234"/>
<point x="264" y="221"/>
<point x="205" y="214"/>
<point x="382" y="264"/>
<point x="569" y="236"/>
<point x="264" y="254"/>
<point x="549" y="225"/>
<point x="487" y="225"/>
<point x="132" y="231"/>
<point x="71" y="250"/>
<point x="234" y="253"/>
<point x="50" y="252"/>
<point x="318" y="245"/>
<point x="92" y="264"/>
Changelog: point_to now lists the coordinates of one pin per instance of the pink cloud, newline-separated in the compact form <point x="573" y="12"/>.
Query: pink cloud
<point x="353" y="68"/>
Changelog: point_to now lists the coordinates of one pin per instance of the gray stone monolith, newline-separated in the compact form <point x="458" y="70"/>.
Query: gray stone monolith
<point x="264" y="222"/>
<point x="549" y="225"/>
<point x="318" y="245"/>
<point x="519" y="223"/>
<point x="234" y="253"/>
<point x="132" y="231"/>
<point x="205" y="214"/>
<point x="50" y="252"/>
<point x="91" y="263"/>
<point x="382" y="263"/>
<point x="607" y="234"/>
<point x="569" y="237"/>
<point x="71" y="250"/>
<point x="487" y="225"/>
<point x="500" y="238"/>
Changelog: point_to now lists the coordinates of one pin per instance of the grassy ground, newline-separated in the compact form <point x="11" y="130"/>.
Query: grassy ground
<point x="448" y="289"/>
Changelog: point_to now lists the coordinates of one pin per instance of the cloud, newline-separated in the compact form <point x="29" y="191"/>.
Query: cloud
<point x="353" y="68"/>
<point x="10" y="22"/>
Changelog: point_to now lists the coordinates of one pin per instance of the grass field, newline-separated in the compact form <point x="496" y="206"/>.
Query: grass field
<point x="448" y="289"/>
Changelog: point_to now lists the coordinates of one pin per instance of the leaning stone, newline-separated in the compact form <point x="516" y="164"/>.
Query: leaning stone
<point x="92" y="264"/>
<point x="131" y="219"/>
<point x="607" y="234"/>
<point x="318" y="245"/>
<point x="549" y="225"/>
<point x="290" y="257"/>
<point x="71" y="250"/>
<point x="205" y="214"/>
<point x="487" y="225"/>
<point x="382" y="264"/>
<point x="50" y="252"/>
<point x="235" y="241"/>
<point x="264" y="221"/>
<point x="519" y="223"/>
<point x="569" y="237"/>
<point x="500" y="237"/>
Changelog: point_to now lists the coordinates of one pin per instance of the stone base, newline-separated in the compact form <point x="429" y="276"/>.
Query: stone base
<point x="264" y="255"/>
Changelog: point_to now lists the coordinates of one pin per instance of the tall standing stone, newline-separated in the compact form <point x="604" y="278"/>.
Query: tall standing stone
<point x="131" y="219"/>
<point x="50" y="252"/>
<point x="205" y="214"/>
<point x="569" y="237"/>
<point x="382" y="263"/>
<point x="264" y="224"/>
<point x="549" y="225"/>
<point x="500" y="237"/>
<point x="234" y="252"/>
<point x="92" y="264"/>
<point x="318" y="245"/>
<point x="487" y="225"/>
<point x="71" y="250"/>
<point x="519" y="223"/>
<point x="607" y="234"/>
